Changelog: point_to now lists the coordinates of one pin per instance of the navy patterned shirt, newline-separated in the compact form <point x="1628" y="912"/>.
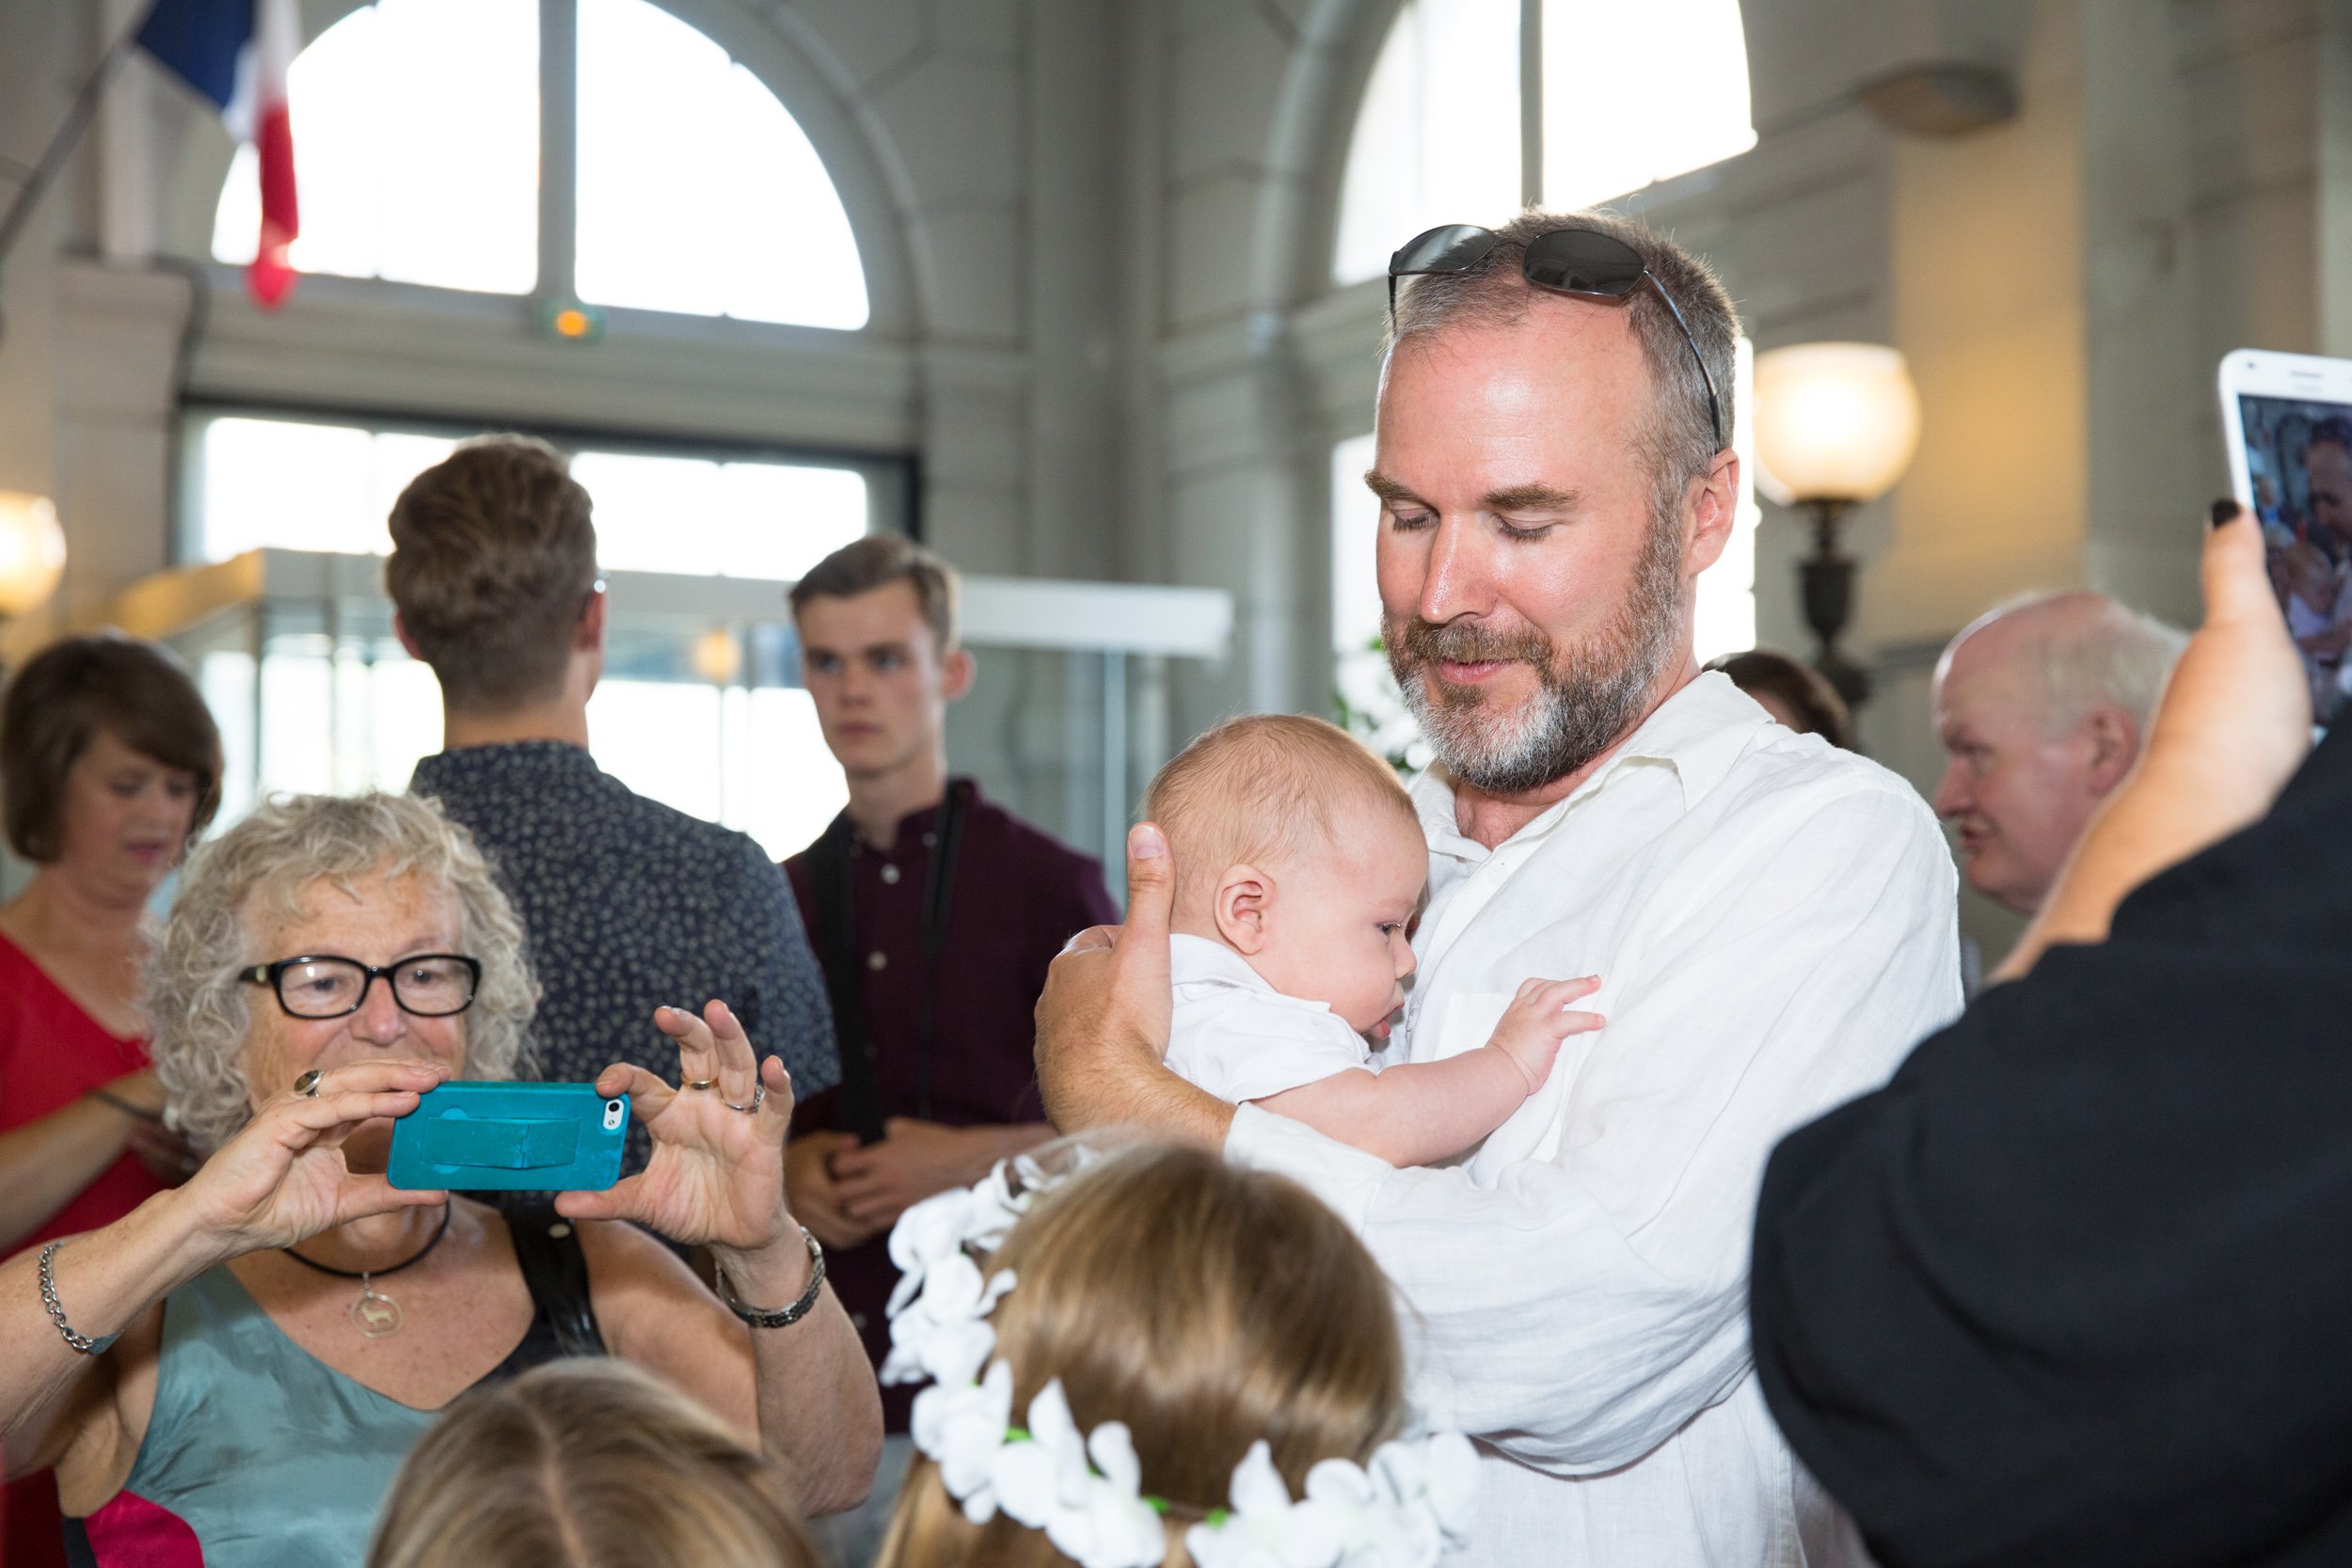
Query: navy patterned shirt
<point x="628" y="905"/>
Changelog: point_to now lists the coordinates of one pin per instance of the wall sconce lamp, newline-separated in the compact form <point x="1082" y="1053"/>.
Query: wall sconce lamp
<point x="1836" y="426"/>
<point x="32" y="553"/>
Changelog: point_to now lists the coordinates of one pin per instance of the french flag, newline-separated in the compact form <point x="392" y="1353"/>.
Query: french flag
<point x="237" y="52"/>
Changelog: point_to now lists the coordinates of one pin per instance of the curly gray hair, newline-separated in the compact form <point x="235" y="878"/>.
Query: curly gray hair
<point x="196" y="1005"/>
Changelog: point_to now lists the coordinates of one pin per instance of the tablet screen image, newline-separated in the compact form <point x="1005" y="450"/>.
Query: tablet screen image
<point x="2292" y="453"/>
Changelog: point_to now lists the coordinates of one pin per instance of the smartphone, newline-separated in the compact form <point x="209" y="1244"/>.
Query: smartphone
<point x="510" y="1137"/>
<point x="2288" y="421"/>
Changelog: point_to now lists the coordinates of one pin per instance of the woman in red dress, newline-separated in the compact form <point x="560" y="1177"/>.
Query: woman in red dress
<point x="109" y="764"/>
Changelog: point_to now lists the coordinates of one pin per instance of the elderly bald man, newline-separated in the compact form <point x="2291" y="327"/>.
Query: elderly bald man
<point x="2041" y="707"/>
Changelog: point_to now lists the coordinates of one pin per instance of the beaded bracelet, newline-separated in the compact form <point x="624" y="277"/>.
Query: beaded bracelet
<point x="57" y="1310"/>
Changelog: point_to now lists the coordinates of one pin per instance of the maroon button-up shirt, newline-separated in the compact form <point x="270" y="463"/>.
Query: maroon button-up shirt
<point x="1019" y="895"/>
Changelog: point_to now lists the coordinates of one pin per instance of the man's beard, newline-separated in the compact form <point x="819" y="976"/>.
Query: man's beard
<point x="1591" y="696"/>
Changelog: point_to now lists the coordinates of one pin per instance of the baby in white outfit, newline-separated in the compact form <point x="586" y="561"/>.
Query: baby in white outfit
<point x="1300" y="865"/>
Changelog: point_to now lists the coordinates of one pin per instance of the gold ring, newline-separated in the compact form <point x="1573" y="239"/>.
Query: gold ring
<point x="700" y="1084"/>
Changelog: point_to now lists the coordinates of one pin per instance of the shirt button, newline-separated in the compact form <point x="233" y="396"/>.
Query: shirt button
<point x="878" y="960"/>
<point x="857" y="1320"/>
<point x="890" y="875"/>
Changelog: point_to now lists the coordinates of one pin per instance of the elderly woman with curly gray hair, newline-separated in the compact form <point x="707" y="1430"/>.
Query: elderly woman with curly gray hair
<point x="237" y="1368"/>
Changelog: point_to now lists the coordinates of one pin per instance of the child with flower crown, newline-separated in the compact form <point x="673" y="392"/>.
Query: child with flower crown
<point x="1300" y="865"/>
<point x="1160" y="1359"/>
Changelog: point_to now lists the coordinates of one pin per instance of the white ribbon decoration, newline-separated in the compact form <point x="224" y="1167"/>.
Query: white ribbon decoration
<point x="1085" y="1490"/>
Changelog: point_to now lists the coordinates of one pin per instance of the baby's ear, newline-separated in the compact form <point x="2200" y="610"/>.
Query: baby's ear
<point x="1243" y="895"/>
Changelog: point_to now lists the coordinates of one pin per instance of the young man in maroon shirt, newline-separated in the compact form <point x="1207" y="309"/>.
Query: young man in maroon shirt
<point x="935" y="914"/>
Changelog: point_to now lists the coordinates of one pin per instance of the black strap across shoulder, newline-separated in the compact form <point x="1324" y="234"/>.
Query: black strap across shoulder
<point x="564" y="1321"/>
<point x="844" y="984"/>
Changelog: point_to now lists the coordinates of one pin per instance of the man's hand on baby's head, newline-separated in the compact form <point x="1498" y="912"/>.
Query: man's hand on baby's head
<point x="1539" y="1018"/>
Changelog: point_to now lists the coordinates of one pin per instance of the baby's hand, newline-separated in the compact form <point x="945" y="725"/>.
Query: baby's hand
<point x="1538" y="1019"/>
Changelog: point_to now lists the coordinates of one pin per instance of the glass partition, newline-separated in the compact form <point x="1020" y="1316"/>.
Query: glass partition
<point x="701" y="705"/>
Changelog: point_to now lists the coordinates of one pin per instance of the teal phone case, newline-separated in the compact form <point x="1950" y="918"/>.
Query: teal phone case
<point x="510" y="1137"/>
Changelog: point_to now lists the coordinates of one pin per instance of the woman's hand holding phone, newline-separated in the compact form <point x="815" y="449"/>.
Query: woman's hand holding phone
<point x="716" y="1177"/>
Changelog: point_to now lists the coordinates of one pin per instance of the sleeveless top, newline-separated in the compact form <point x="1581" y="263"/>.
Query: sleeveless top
<point x="259" y="1455"/>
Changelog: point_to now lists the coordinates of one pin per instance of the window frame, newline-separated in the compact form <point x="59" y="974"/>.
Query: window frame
<point x="893" y="479"/>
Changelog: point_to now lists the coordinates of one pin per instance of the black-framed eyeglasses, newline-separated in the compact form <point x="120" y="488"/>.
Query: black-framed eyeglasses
<point x="327" y="985"/>
<point x="1581" y="262"/>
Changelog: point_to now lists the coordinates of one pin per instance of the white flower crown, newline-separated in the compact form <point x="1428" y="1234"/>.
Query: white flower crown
<point x="1085" y="1490"/>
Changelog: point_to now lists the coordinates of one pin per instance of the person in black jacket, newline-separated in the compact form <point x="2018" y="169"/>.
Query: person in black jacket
<point x="2074" y="1286"/>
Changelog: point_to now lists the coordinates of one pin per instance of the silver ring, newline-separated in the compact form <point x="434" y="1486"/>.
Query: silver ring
<point x="759" y="1098"/>
<point x="308" y="1085"/>
<point x="699" y="1083"/>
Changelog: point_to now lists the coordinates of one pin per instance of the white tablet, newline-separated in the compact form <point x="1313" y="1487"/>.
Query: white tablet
<point x="2288" y="421"/>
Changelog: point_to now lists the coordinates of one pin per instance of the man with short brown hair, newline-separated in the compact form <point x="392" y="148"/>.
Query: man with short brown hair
<point x="936" y="911"/>
<point x="628" y="904"/>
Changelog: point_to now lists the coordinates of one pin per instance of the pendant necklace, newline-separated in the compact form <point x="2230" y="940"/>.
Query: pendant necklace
<point x="376" y="1314"/>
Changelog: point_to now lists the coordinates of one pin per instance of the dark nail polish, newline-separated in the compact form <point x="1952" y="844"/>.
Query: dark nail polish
<point x="2224" y="511"/>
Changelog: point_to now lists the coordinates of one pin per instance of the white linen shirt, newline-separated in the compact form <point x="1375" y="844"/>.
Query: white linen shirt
<point x="1236" y="1036"/>
<point x="1774" y="925"/>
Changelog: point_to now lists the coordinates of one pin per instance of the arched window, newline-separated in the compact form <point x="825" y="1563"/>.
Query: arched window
<point x="417" y="131"/>
<point x="1631" y="94"/>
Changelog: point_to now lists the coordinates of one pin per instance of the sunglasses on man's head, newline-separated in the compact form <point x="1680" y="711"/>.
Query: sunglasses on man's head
<point x="1581" y="262"/>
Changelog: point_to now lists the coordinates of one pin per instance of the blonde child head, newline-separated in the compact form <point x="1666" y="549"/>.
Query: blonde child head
<point x="586" y="1463"/>
<point x="1205" y="1306"/>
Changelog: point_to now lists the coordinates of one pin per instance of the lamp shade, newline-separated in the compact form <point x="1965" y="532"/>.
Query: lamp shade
<point x="32" y="552"/>
<point x="1834" y="421"/>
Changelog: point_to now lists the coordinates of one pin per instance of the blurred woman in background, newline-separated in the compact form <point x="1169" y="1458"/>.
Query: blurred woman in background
<point x="1795" y="694"/>
<point x="109" y="764"/>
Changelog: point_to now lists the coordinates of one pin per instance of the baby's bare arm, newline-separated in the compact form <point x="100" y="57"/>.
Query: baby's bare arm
<point x="1421" y="1112"/>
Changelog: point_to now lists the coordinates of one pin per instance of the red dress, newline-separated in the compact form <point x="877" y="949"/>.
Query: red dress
<point x="51" y="1053"/>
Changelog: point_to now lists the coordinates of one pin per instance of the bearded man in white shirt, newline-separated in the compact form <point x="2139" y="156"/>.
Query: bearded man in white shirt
<point x="1772" y="919"/>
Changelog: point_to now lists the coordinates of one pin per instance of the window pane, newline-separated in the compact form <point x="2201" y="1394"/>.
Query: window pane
<point x="416" y="149"/>
<point x="345" y="710"/>
<point x="1621" y="109"/>
<point x="784" y="786"/>
<point x="1723" y="620"/>
<point x="1355" y="533"/>
<point x="1369" y="703"/>
<point x="283" y="484"/>
<point x="660" y="738"/>
<point x="1438" y="138"/>
<point x="726" y="519"/>
<point x="698" y="192"/>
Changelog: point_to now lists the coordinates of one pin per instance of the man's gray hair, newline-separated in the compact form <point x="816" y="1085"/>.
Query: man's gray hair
<point x="254" y="875"/>
<point x="2088" y="651"/>
<point x="1678" y="440"/>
